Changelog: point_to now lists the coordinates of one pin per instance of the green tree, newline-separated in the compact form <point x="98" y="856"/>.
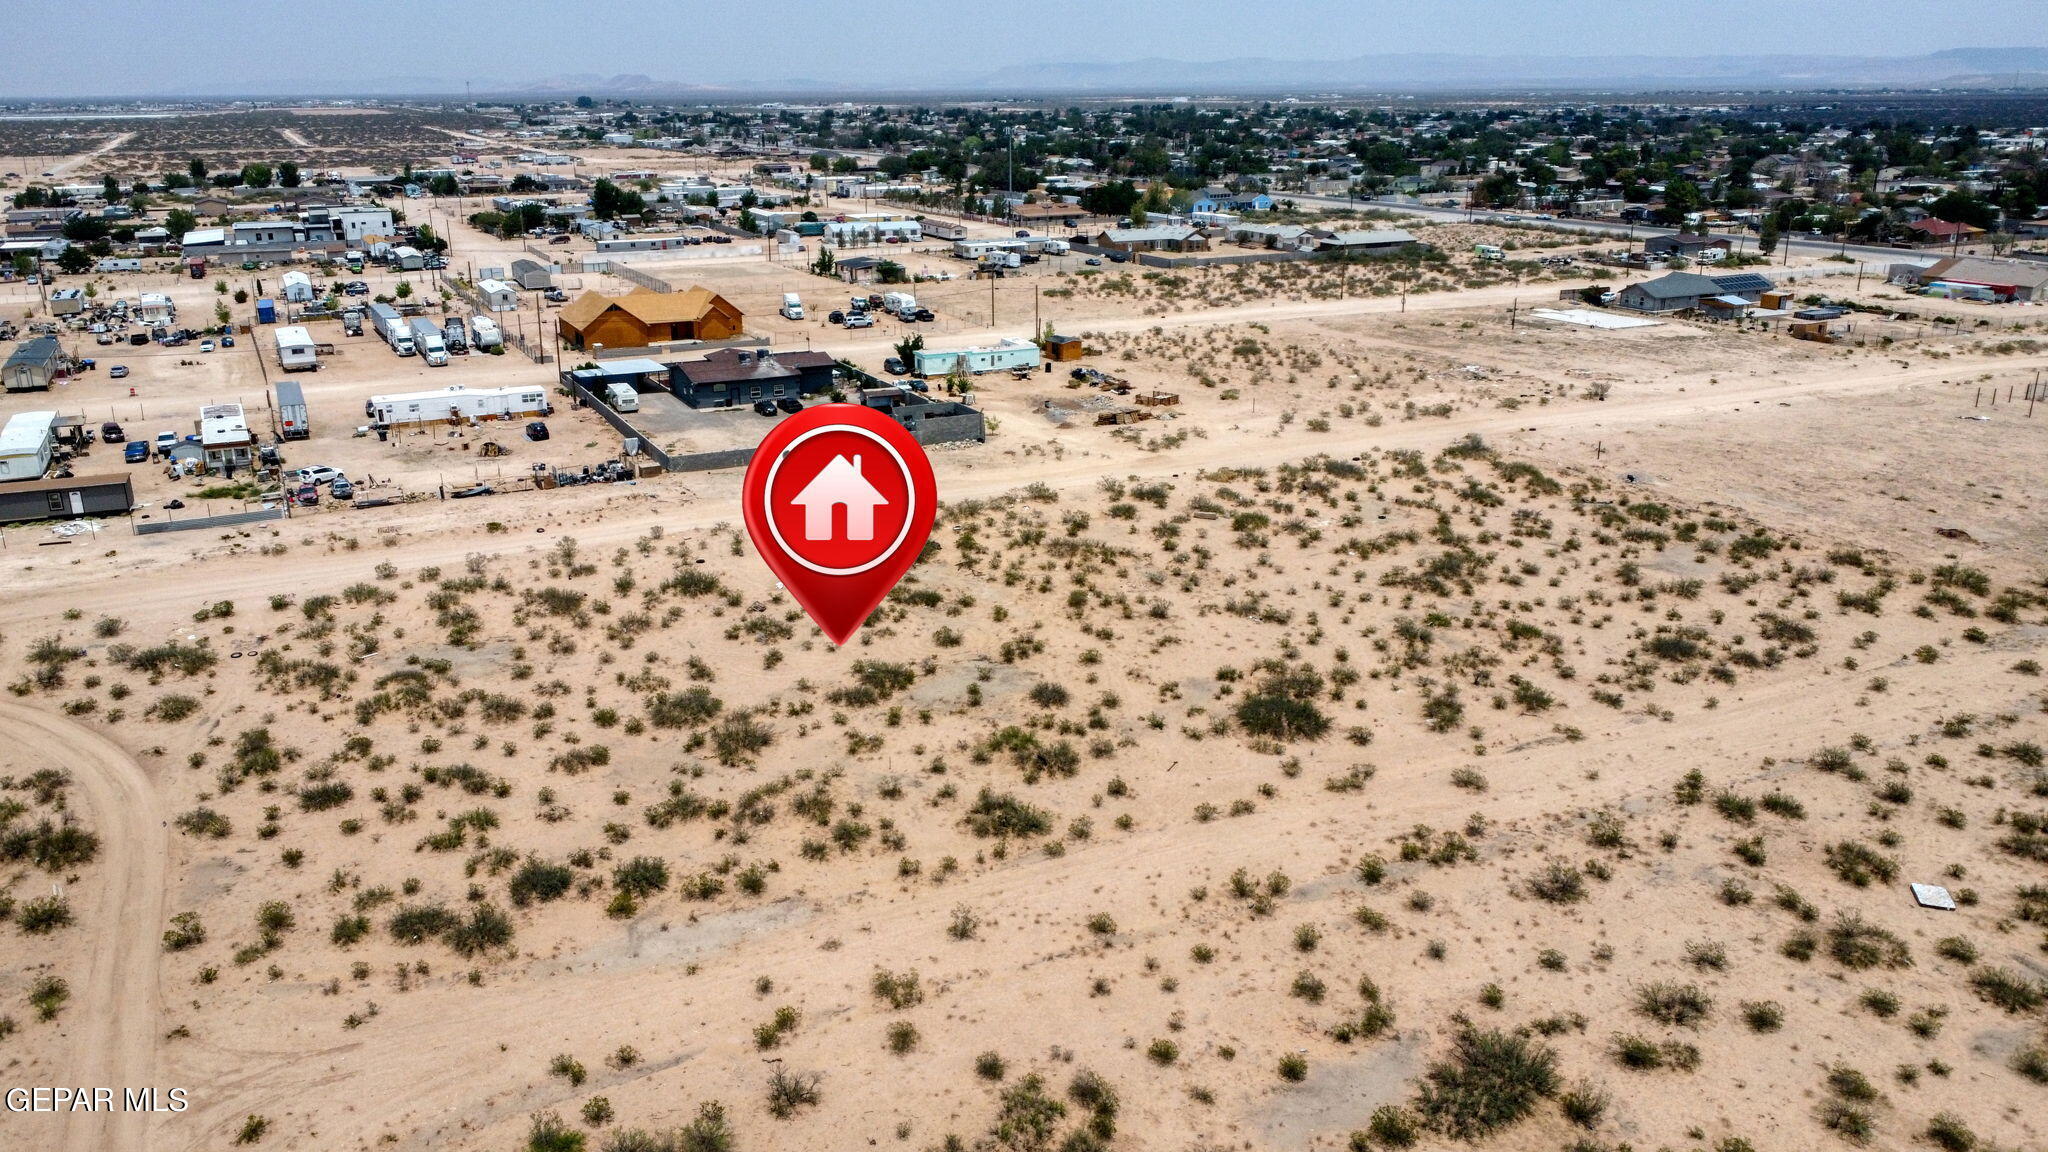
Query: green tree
<point x="179" y="221"/>
<point x="74" y="260"/>
<point x="288" y="174"/>
<point x="819" y="162"/>
<point x="197" y="171"/>
<point x="1767" y="236"/>
<point x="907" y="349"/>
<point x="748" y="223"/>
<point x="845" y="165"/>
<point x="256" y="175"/>
<point x="403" y="290"/>
<point x="220" y="315"/>
<point x="825" y="263"/>
<point x="110" y="189"/>
<point x="890" y="272"/>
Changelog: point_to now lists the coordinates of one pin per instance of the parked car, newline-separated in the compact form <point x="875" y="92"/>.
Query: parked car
<point x="111" y="433"/>
<point x="836" y="317"/>
<point x="206" y="345"/>
<point x="118" y="372"/>
<point x="472" y="490"/>
<point x="307" y="494"/>
<point x="561" y="239"/>
<point x="103" y="338"/>
<point x="165" y="441"/>
<point x="357" y="288"/>
<point x="790" y="404"/>
<point x="860" y="320"/>
<point x="926" y="315"/>
<point x="341" y="489"/>
<point x="136" y="452"/>
<point x="535" y="430"/>
<point x="1093" y="261"/>
<point x="1023" y="233"/>
<point x="227" y="341"/>
<point x="1119" y="257"/>
<point x="894" y="366"/>
<point x="317" y="474"/>
<point x="765" y="407"/>
<point x="557" y="296"/>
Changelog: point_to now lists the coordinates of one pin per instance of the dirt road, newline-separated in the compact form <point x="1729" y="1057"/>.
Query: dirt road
<point x="108" y="583"/>
<point x="113" y="1021"/>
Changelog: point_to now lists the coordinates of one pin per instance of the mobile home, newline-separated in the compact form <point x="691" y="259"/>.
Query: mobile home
<point x="457" y="403"/>
<point x="26" y="444"/>
<point x="1005" y="354"/>
<point x="295" y="351"/>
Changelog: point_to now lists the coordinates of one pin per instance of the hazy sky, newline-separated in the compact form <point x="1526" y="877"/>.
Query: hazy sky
<point x="63" y="48"/>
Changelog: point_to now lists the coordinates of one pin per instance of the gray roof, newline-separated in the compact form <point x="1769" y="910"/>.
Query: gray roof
<point x="1678" y="286"/>
<point x="1366" y="239"/>
<point x="42" y="351"/>
<point x="1142" y="235"/>
<point x="1742" y="282"/>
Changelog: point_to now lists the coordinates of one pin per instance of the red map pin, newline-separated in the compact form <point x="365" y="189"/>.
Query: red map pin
<point x="839" y="499"/>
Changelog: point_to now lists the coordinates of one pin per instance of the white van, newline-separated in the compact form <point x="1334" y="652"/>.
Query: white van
<point x="792" y="306"/>
<point x="621" y="397"/>
<point x="1489" y="252"/>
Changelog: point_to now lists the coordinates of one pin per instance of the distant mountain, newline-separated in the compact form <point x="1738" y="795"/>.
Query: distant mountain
<point x="1974" y="67"/>
<point x="1995" y="67"/>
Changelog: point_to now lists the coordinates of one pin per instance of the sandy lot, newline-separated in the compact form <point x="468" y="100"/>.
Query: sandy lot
<point x="1433" y="684"/>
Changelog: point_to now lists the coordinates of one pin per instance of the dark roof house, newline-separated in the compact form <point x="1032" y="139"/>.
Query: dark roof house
<point x="733" y="376"/>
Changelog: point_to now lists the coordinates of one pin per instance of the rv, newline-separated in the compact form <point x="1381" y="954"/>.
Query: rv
<point x="453" y="336"/>
<point x="484" y="333"/>
<point x="289" y="416"/>
<point x="792" y="306"/>
<point x="352" y="322"/>
<point x="621" y="397"/>
<point x="896" y="303"/>
<point x="295" y="349"/>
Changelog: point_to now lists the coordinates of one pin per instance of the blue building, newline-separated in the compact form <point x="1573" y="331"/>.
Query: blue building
<point x="1224" y="200"/>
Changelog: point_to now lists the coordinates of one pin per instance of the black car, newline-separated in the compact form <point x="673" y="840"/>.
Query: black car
<point x="111" y="433"/>
<point x="790" y="404"/>
<point x="836" y="318"/>
<point x="894" y="366"/>
<point x="1119" y="258"/>
<point x="536" y="431"/>
<point x="926" y="315"/>
<point x="765" y="407"/>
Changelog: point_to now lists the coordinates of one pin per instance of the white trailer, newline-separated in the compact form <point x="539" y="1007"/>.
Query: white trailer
<point x="298" y="288"/>
<point x="458" y="403"/>
<point x="26" y="444"/>
<point x="295" y="351"/>
<point x="288" y="418"/>
<point x="1005" y="354"/>
<point x="896" y="303"/>
<point x="484" y="332"/>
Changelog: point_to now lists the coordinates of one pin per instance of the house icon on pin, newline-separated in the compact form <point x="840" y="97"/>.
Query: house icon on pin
<point x="839" y="483"/>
